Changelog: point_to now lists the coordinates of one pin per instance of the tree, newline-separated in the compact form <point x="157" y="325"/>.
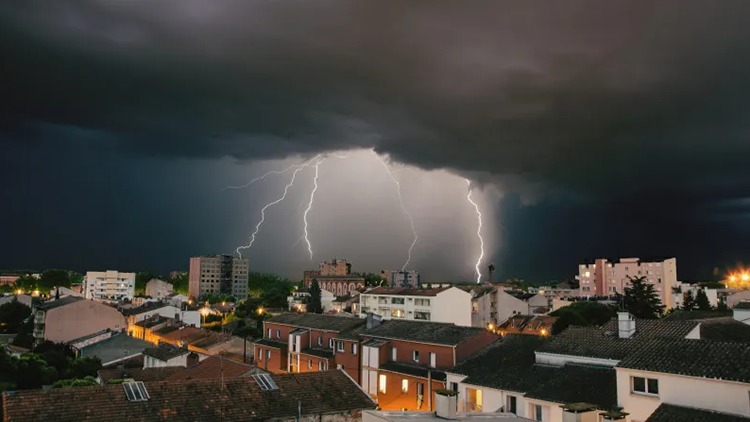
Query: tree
<point x="641" y="300"/>
<point x="12" y="316"/>
<point x="141" y="279"/>
<point x="701" y="301"/>
<point x="87" y="381"/>
<point x="54" y="278"/>
<point x="688" y="301"/>
<point x="27" y="283"/>
<point x="722" y="305"/>
<point x="582" y="313"/>
<point x="180" y="283"/>
<point x="315" y="305"/>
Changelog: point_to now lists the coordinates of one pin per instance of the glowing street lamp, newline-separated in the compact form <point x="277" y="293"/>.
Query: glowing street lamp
<point x="745" y="277"/>
<point x="260" y="310"/>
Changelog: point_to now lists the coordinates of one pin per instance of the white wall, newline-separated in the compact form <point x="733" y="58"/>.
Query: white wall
<point x="735" y="298"/>
<point x="709" y="394"/>
<point x="553" y="359"/>
<point x="452" y="305"/>
<point x="168" y="311"/>
<point x="109" y="285"/>
<point x="508" y="305"/>
<point x="742" y="315"/>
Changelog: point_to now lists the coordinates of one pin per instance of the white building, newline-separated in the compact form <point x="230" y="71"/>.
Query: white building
<point x="511" y="303"/>
<point x="167" y="355"/>
<point x="158" y="289"/>
<point x="450" y="304"/>
<point x="682" y="288"/>
<point x="218" y="274"/>
<point x="109" y="285"/>
<point x="404" y="279"/>
<point x="299" y="299"/>
<point x="604" y="278"/>
<point x="151" y="309"/>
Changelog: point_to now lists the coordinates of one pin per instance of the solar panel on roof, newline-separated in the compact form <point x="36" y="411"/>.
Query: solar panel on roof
<point x="135" y="391"/>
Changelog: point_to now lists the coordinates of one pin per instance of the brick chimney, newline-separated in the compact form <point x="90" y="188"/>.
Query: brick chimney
<point x="580" y="412"/>
<point x="625" y="325"/>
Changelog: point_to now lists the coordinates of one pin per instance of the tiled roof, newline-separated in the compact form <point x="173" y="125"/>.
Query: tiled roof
<point x="115" y="348"/>
<point x="605" y="343"/>
<point x="405" y="291"/>
<point x="695" y="358"/>
<point x="165" y="352"/>
<point x="509" y="364"/>
<point x="317" y="321"/>
<point x="213" y="367"/>
<point x="352" y="334"/>
<point x="414" y="370"/>
<point x="424" y="332"/>
<point x="52" y="304"/>
<point x="725" y="329"/>
<point x="146" y="307"/>
<point x="671" y="413"/>
<point x="139" y="374"/>
<point x="236" y="399"/>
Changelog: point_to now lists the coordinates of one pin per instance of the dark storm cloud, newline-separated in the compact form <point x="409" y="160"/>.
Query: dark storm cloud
<point x="577" y="95"/>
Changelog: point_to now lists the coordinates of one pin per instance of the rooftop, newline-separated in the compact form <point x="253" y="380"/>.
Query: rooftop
<point x="725" y="329"/>
<point x="115" y="348"/>
<point x="405" y="291"/>
<point x="146" y="307"/>
<point x="213" y="367"/>
<point x="236" y="399"/>
<point x="317" y="321"/>
<point x="52" y="304"/>
<point x="742" y="305"/>
<point x="694" y="358"/>
<point x="427" y="416"/>
<point x="414" y="370"/>
<point x="139" y="374"/>
<point x="604" y="342"/>
<point x="509" y="364"/>
<point x="424" y="332"/>
<point x="165" y="352"/>
<point x="672" y="413"/>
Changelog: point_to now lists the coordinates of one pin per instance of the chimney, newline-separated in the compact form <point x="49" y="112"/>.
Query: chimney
<point x="446" y="403"/>
<point x="580" y="412"/>
<point x="192" y="360"/>
<point x="625" y="325"/>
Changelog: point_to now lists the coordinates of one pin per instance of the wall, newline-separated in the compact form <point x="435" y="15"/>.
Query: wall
<point x="560" y="360"/>
<point x="278" y="362"/>
<point x="405" y="349"/>
<point x="158" y="288"/>
<point x="473" y="345"/>
<point x="151" y="362"/>
<point x="709" y="394"/>
<point x="194" y="277"/>
<point x="453" y="306"/>
<point x="395" y="399"/>
<point x="735" y="298"/>
<point x="508" y="305"/>
<point x="742" y="315"/>
<point x="349" y="361"/>
<point x="79" y="319"/>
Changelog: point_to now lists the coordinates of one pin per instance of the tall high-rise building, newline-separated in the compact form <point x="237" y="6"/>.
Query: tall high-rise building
<point x="109" y="285"/>
<point x="404" y="279"/>
<point x="218" y="274"/>
<point x="604" y="278"/>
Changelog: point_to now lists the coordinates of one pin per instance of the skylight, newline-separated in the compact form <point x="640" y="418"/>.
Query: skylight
<point x="135" y="391"/>
<point x="265" y="382"/>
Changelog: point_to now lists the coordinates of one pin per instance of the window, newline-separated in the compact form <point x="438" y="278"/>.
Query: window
<point x="397" y="313"/>
<point x="330" y="343"/>
<point x="433" y="360"/>
<point x="269" y="333"/>
<point x="421" y="302"/>
<point x="309" y="364"/>
<point x="404" y="385"/>
<point x="339" y="346"/>
<point x="645" y="385"/>
<point x="420" y="394"/>
<point x="278" y="333"/>
<point x="415" y="356"/>
<point x="354" y="348"/>
<point x="381" y="383"/>
<point x="321" y="366"/>
<point x="320" y="341"/>
<point x="474" y="400"/>
<point x="268" y="354"/>
<point x="422" y="315"/>
<point x="536" y="412"/>
<point x="397" y="300"/>
<point x="260" y="354"/>
<point x="394" y="354"/>
<point x="511" y="404"/>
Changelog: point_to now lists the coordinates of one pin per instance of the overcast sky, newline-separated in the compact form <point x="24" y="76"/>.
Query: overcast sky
<point x="587" y="128"/>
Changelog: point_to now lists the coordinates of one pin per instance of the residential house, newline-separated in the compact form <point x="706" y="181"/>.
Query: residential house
<point x="539" y="325"/>
<point x="672" y="413"/>
<point x="300" y="342"/>
<point x="165" y="355"/>
<point x="151" y="309"/>
<point x="403" y="362"/>
<point x="445" y="304"/>
<point x="513" y="302"/>
<point x="299" y="298"/>
<point x="70" y="318"/>
<point x="322" y="396"/>
<point x="483" y="305"/>
<point x="681" y="289"/>
<point x="110" y="347"/>
<point x="703" y="374"/>
<point x="158" y="289"/>
<point x="737" y="297"/>
<point x="213" y="367"/>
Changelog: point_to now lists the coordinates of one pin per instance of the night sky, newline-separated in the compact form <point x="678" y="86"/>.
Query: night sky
<point x="588" y="129"/>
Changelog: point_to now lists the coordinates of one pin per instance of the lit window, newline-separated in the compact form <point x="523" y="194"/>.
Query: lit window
<point x="381" y="383"/>
<point x="404" y="385"/>
<point x="309" y="364"/>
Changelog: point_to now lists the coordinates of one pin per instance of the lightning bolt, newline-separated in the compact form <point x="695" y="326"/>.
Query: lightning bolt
<point x="297" y="168"/>
<point x="259" y="178"/>
<point x="479" y="232"/>
<point x="310" y="204"/>
<point x="403" y="208"/>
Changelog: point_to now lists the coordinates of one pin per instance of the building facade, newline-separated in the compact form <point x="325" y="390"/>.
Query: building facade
<point x="158" y="289"/>
<point x="70" y="318"/>
<point x="449" y="304"/>
<point x="335" y="276"/>
<point x="218" y="274"/>
<point x="404" y="279"/>
<point x="604" y="278"/>
<point x="109" y="285"/>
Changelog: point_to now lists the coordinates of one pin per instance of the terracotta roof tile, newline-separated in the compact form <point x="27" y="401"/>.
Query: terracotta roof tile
<point x="317" y="321"/>
<point x="424" y="332"/>
<point x="237" y="399"/>
<point x="213" y="367"/>
<point x="672" y="413"/>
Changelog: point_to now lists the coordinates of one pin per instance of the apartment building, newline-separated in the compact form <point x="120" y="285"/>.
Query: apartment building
<point x="403" y="278"/>
<point x="71" y="318"/>
<point x="218" y="274"/>
<point x="446" y="304"/>
<point x="335" y="276"/>
<point x="404" y="362"/>
<point x="109" y="285"/>
<point x="604" y="278"/>
<point x="302" y="342"/>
